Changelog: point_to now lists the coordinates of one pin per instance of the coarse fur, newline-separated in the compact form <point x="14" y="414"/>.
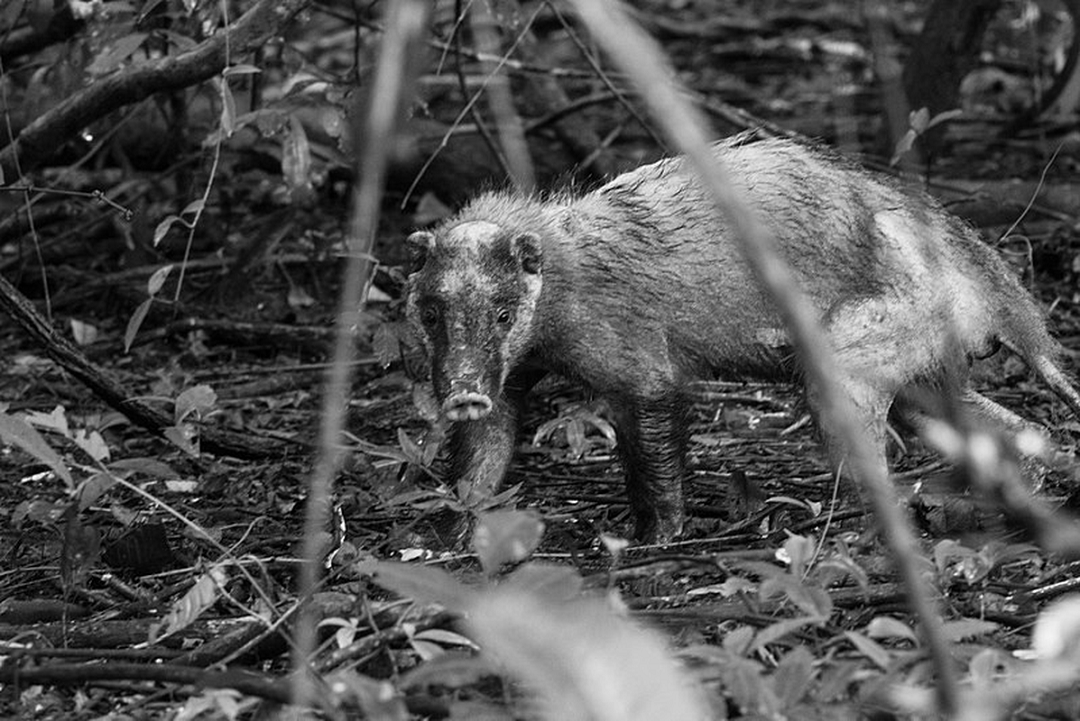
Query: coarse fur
<point x="638" y="288"/>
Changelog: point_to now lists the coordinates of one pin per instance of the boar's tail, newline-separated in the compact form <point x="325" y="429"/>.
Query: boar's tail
<point x="1052" y="375"/>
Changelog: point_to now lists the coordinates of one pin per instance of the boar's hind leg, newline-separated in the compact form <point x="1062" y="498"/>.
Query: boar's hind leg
<point x="871" y="409"/>
<point x="878" y="346"/>
<point x="652" y="446"/>
<point x="481" y="450"/>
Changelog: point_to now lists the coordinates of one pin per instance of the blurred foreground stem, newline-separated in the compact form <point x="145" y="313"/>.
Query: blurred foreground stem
<point x="641" y="59"/>
<point x="397" y="62"/>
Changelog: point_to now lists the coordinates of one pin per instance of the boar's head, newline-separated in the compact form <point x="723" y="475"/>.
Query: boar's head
<point x="472" y="299"/>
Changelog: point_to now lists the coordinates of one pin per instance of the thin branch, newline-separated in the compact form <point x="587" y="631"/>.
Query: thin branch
<point x="507" y="120"/>
<point x="474" y="112"/>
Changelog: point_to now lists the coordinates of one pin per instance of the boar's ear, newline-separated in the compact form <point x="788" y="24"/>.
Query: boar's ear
<point x="527" y="250"/>
<point x="420" y="245"/>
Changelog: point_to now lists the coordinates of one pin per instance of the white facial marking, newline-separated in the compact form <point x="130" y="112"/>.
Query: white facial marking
<point x="465" y="279"/>
<point x="468" y="238"/>
<point x="473" y="233"/>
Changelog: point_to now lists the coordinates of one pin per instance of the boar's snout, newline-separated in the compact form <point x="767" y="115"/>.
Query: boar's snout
<point x="466" y="405"/>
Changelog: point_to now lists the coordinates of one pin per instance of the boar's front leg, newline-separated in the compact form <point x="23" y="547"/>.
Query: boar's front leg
<point x="481" y="450"/>
<point x="652" y="447"/>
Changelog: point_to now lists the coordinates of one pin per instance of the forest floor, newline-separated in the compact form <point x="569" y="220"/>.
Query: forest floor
<point x="248" y="352"/>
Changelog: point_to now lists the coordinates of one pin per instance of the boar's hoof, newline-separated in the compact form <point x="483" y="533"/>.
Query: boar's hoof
<point x="467" y="406"/>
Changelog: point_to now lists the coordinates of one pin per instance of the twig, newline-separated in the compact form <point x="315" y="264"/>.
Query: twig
<point x="474" y="113"/>
<point x="604" y="78"/>
<point x="507" y="121"/>
<point x="501" y="61"/>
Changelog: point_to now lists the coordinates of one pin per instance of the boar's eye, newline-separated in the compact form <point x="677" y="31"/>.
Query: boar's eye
<point x="429" y="315"/>
<point x="505" y="316"/>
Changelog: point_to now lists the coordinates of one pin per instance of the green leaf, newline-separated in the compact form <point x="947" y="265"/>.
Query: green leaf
<point x="224" y="703"/>
<point x="92" y="444"/>
<point x="116" y="54"/>
<point x="582" y="660"/>
<point x="296" y="155"/>
<point x="191" y="605"/>
<point x="503" y="537"/>
<point x="919" y="120"/>
<point x="888" y="627"/>
<point x="793" y="676"/>
<point x="163" y="228"/>
<point x="799" y="551"/>
<point x="149" y="466"/>
<point x="947" y="550"/>
<point x="443" y="638"/>
<point x="410" y="448"/>
<point x="198" y="400"/>
<point x="241" y="70"/>
<point x="869" y="648"/>
<point x="1057" y="630"/>
<point x="135" y="322"/>
<point x="546" y="581"/>
<point x="840" y="565"/>
<point x="82" y="332"/>
<point x="903" y="145"/>
<point x="987" y="667"/>
<point x="17" y="432"/>
<point x="944" y="116"/>
<point x="153" y="286"/>
<point x="738" y="641"/>
<point x="12" y="10"/>
<point x="54" y="421"/>
<point x="965" y="628"/>
<point x="183" y="437"/>
<point x="811" y="599"/>
<point x="421" y="583"/>
<point x="44" y="512"/>
<point x="93" y="488"/>
<point x="778" y="630"/>
<point x="194" y="207"/>
<point x="743" y="680"/>
<point x="228" y="109"/>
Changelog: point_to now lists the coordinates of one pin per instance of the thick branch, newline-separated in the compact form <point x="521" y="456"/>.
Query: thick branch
<point x="68" y="355"/>
<point x="40" y="138"/>
<point x="253" y="684"/>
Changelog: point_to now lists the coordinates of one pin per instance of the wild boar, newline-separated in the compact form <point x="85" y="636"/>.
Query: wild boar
<point x="638" y="288"/>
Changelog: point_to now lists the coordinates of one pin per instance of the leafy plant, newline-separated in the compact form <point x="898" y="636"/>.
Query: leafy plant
<point x="579" y="657"/>
<point x="919" y="122"/>
<point x="574" y="426"/>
